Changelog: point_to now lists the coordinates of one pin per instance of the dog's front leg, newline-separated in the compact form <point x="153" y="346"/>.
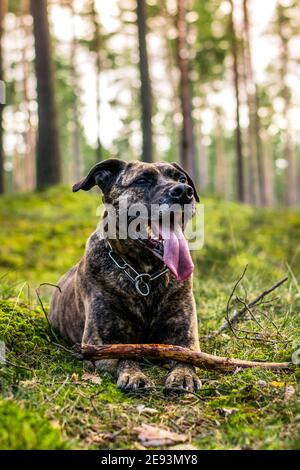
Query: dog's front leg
<point x="129" y="373"/>
<point x="131" y="377"/>
<point x="182" y="330"/>
<point x="91" y="335"/>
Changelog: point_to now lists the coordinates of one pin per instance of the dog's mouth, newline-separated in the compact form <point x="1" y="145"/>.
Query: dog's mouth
<point x="169" y="244"/>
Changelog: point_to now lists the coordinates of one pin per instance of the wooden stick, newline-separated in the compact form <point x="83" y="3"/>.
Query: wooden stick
<point x="175" y="353"/>
<point x="237" y="316"/>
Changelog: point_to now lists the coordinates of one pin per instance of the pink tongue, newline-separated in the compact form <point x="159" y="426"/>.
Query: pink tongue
<point x="176" y="252"/>
<point x="177" y="255"/>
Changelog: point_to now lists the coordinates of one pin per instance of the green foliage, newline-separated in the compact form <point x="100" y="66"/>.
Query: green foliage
<point x="14" y="6"/>
<point x="211" y="47"/>
<point x="57" y="219"/>
<point x="46" y="400"/>
<point x="23" y="430"/>
<point x="66" y="101"/>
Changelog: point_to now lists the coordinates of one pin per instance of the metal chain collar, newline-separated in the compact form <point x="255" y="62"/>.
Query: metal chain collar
<point x="142" y="281"/>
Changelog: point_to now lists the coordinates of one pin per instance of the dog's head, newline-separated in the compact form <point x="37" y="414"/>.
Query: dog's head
<point x="149" y="192"/>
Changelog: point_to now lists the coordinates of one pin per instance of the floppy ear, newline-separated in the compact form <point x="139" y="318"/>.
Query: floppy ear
<point x="190" y="181"/>
<point x="103" y="175"/>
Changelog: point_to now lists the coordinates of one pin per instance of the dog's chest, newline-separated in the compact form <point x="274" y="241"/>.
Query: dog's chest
<point x="132" y="318"/>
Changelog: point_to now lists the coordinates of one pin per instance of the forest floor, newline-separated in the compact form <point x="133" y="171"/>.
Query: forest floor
<point x="52" y="403"/>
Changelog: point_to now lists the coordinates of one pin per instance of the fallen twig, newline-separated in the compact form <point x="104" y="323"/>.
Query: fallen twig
<point x="175" y="353"/>
<point x="43" y="308"/>
<point x="56" y="342"/>
<point x="6" y="362"/>
<point x="229" y="322"/>
<point x="49" y="398"/>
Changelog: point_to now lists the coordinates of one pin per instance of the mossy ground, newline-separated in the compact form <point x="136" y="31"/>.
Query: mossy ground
<point x="46" y="404"/>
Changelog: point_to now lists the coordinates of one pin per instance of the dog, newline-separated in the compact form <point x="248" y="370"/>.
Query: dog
<point x="133" y="290"/>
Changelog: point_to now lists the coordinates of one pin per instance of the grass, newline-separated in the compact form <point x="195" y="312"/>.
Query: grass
<point x="48" y="401"/>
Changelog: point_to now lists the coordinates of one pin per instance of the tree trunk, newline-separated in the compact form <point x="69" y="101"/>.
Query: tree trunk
<point x="146" y="94"/>
<point x="268" y="170"/>
<point x="236" y="78"/>
<point x="2" y="15"/>
<point x="203" y="160"/>
<point x="97" y="40"/>
<point x="48" y="154"/>
<point x="171" y="68"/>
<point x="291" y="180"/>
<point x="29" y="135"/>
<point x="187" y="150"/>
<point x="221" y="177"/>
<point x="257" y="176"/>
<point x="77" y="172"/>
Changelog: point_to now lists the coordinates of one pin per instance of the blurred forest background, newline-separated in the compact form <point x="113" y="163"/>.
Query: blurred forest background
<point x="213" y="84"/>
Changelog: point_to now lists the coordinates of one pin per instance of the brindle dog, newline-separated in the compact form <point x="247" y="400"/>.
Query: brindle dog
<point x="98" y="304"/>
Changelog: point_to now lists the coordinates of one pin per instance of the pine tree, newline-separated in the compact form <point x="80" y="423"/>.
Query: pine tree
<point x="48" y="154"/>
<point x="236" y="81"/>
<point x="2" y="15"/>
<point x="187" y="149"/>
<point x="146" y="93"/>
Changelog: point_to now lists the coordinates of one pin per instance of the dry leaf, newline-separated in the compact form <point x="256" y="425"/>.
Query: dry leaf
<point x="55" y="424"/>
<point x="94" y="378"/>
<point x="289" y="392"/>
<point x="261" y="383"/>
<point x="146" y="410"/>
<point x="101" y="437"/>
<point x="152" y="436"/>
<point x="226" y="411"/>
<point x="28" y="383"/>
<point x="184" y="447"/>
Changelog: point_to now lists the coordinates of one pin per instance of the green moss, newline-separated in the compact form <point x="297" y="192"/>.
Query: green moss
<point x="23" y="430"/>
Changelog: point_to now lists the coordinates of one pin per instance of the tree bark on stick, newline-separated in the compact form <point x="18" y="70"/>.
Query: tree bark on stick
<point x="175" y="353"/>
<point x="48" y="154"/>
<point x="2" y="15"/>
<point x="238" y="137"/>
<point x="187" y="150"/>
<point x="146" y="93"/>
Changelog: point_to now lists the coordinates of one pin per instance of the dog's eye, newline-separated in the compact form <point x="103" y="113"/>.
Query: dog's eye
<point x="142" y="180"/>
<point x="182" y="179"/>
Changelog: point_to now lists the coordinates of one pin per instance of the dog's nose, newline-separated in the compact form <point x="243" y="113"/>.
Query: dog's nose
<point x="182" y="193"/>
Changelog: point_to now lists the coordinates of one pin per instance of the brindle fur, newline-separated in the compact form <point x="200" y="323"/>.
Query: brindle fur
<point x="99" y="305"/>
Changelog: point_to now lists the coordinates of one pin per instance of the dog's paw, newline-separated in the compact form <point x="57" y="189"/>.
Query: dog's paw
<point x="182" y="378"/>
<point x="136" y="380"/>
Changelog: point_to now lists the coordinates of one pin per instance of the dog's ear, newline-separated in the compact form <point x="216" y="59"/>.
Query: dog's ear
<point x="103" y="175"/>
<point x="190" y="181"/>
